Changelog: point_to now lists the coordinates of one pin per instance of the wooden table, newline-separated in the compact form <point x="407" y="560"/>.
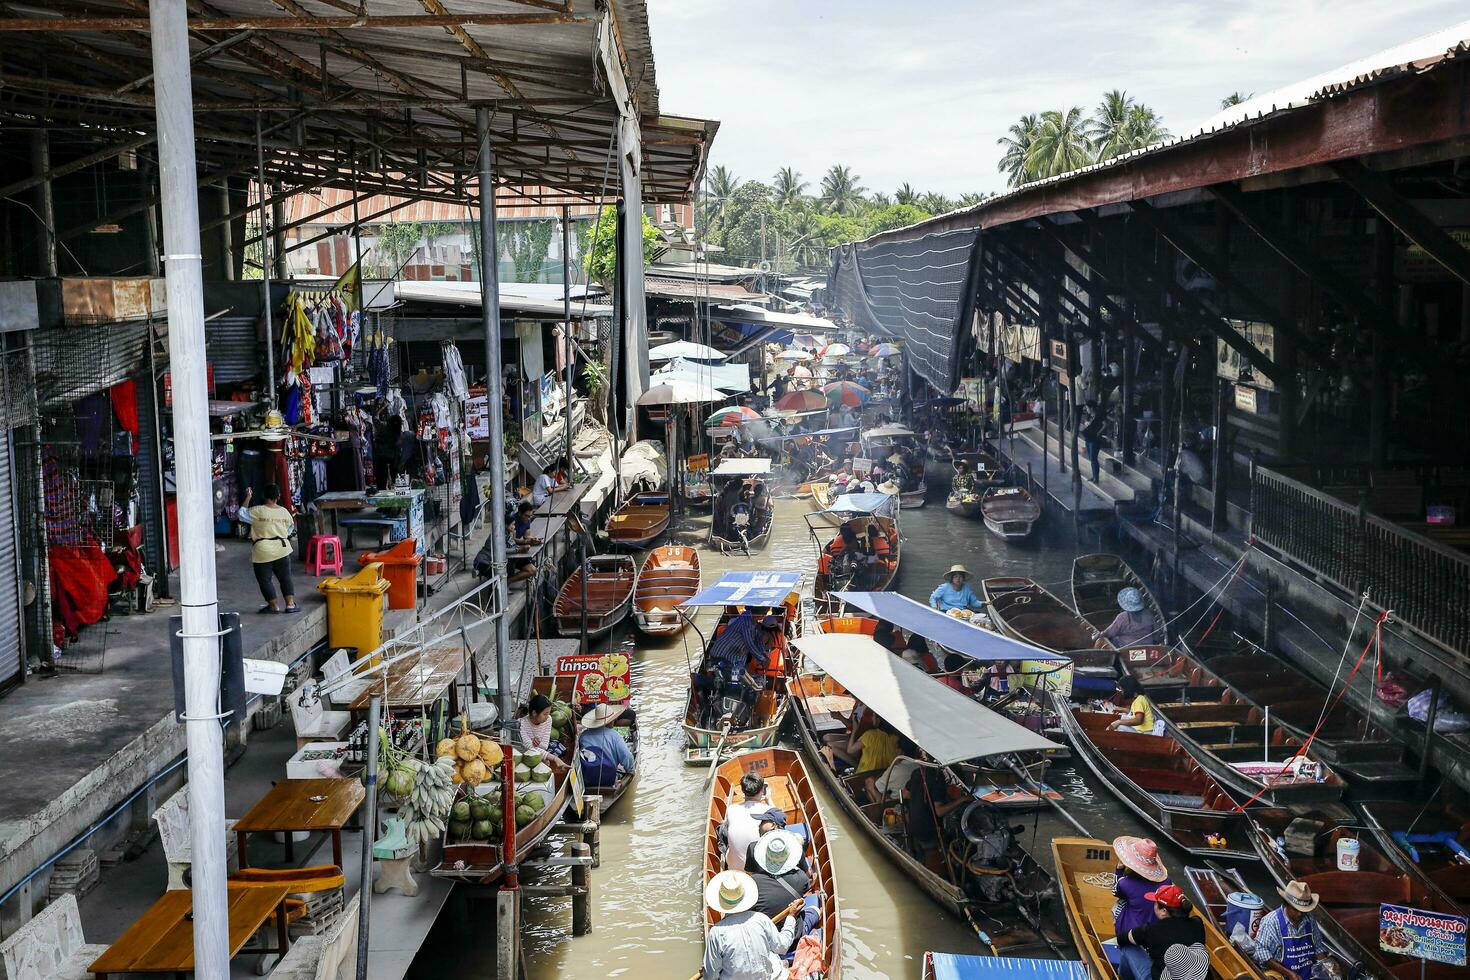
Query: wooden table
<point x="417" y="681"/>
<point x="290" y="806"/>
<point x="162" y="941"/>
<point x="338" y="500"/>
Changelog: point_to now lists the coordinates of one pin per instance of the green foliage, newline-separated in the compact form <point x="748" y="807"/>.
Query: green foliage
<point x="601" y="257"/>
<point x="1055" y="142"/>
<point x="841" y="192"/>
<point x="395" y="243"/>
<point x="1235" y="98"/>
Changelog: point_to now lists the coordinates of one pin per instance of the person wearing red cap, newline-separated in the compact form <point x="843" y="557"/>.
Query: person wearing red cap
<point x="1174" y="941"/>
<point x="1140" y="871"/>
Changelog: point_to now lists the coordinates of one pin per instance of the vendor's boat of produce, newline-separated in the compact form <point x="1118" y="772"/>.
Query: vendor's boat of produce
<point x="724" y="713"/>
<point x="1087" y="870"/>
<point x="790" y="790"/>
<point x="1430" y="840"/>
<point x="847" y="568"/>
<point x="972" y="864"/>
<point x="1160" y="782"/>
<point x="1010" y="512"/>
<point x="1302" y="845"/>
<point x="743" y="506"/>
<point x="823" y="492"/>
<point x="1345" y="737"/>
<point x="640" y="521"/>
<point x="1024" y="609"/>
<point x="669" y="576"/>
<point x="1096" y="582"/>
<point x="610" y="583"/>
<point x="981" y="473"/>
<point x="567" y="700"/>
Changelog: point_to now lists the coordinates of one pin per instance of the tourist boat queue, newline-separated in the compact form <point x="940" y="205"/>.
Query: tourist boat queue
<point x="933" y="724"/>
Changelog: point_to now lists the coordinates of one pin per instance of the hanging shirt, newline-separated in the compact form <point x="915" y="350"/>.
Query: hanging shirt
<point x="454" y="373"/>
<point x="271" y="528"/>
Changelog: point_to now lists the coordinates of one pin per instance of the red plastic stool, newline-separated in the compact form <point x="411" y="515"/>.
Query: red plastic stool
<point x="324" y="554"/>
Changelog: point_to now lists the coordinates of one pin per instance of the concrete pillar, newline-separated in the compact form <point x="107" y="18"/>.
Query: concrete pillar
<point x="45" y="209"/>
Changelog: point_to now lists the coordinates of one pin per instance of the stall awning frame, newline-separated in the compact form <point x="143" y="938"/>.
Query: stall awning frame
<point x="954" y="634"/>
<point x="759" y="588"/>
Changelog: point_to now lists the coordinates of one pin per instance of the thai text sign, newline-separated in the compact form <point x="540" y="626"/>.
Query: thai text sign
<point x="1422" y="935"/>
<point x="598" y="677"/>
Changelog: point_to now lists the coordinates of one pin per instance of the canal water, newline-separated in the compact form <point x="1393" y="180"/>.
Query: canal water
<point x="646" y="919"/>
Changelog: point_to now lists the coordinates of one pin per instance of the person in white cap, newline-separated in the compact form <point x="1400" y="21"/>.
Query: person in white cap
<point x="744" y="944"/>
<point x="955" y="592"/>
<point x="1289" y="935"/>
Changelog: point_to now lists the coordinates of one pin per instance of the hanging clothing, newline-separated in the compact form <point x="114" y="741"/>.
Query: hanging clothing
<point x="93" y="415"/>
<point x="124" y="396"/>
<point x="80" y="577"/>
<point x="454" y="379"/>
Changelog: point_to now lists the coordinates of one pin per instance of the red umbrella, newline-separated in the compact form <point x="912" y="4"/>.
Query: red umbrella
<point x="732" y="416"/>
<point x="802" y="401"/>
<point x="846" y="393"/>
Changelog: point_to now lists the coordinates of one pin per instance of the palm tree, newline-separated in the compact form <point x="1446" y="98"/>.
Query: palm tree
<point x="935" y="203"/>
<point x="789" y="186"/>
<point x="1108" y="127"/>
<point x="840" y="190"/>
<point x="1061" y="143"/>
<point x="971" y="199"/>
<point x="880" y="199"/>
<point x="906" y="194"/>
<point x="1144" y="128"/>
<point x="722" y="184"/>
<point x="1018" y="149"/>
<point x="1235" y="98"/>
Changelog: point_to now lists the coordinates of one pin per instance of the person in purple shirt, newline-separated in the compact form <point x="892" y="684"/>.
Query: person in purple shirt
<point x="1140" y="872"/>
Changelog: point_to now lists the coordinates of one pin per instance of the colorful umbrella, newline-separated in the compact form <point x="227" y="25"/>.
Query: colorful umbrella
<point x="733" y="415"/>
<point x="846" y="393"/>
<point x="884" y="350"/>
<point x="800" y="372"/>
<point x="802" y="401"/>
<point x="836" y="350"/>
<point x="793" y="355"/>
<point x="679" y="393"/>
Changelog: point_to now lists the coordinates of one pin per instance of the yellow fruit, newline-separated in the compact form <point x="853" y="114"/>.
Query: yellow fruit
<point x="475" y="772"/>
<point x="445" y="747"/>
<point x="490" y="753"/>
<point x="467" y="747"/>
<point x="456" y="778"/>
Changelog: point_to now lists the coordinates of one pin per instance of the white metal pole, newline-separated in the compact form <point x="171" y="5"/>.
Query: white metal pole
<point x="178" y="177"/>
<point x="494" y="400"/>
<point x="266" y="267"/>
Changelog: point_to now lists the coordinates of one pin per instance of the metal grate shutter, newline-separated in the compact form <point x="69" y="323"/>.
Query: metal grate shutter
<point x="11" y="581"/>
<point x="234" y="347"/>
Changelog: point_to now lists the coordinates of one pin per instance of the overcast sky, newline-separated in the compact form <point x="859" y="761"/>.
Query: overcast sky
<point x="920" y="91"/>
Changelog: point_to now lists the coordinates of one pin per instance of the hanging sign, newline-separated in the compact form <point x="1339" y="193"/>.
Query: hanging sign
<point x="698" y="462"/>
<point x="1245" y="399"/>
<point x="599" y="678"/>
<point x="1423" y="935"/>
<point x="477" y="417"/>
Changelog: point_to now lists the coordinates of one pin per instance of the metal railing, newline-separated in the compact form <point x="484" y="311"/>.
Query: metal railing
<point x="1425" y="583"/>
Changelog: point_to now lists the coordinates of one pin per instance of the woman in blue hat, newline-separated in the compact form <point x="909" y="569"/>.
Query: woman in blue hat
<point x="1134" y="625"/>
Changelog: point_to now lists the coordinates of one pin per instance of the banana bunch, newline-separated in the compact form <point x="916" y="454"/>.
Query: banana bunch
<point x="428" y="803"/>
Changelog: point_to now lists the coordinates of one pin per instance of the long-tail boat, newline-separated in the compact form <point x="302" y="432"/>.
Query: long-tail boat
<point x="669" y="576"/>
<point x="562" y="687"/>
<point x="983" y="872"/>
<point x="1431" y="840"/>
<point x="789" y="789"/>
<point x="1213" y="885"/>
<point x="1345" y="738"/>
<point x="482" y="861"/>
<point x="1160" y="782"/>
<point x="610" y="583"/>
<point x="1023" y="609"/>
<point x="640" y="520"/>
<point x="1086" y="869"/>
<point x="1096" y="582"/>
<point x="743" y="507"/>
<point x="1301" y="845"/>
<point x="849" y="570"/>
<point x="1010" y="512"/>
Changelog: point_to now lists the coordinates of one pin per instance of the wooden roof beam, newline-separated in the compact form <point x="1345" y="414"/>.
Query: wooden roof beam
<point x="1414" y="224"/>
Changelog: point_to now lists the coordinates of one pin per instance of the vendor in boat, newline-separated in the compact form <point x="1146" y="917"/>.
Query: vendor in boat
<point x="955" y="592"/>
<point x="963" y="481"/>
<point x="929" y="798"/>
<point x="741" y="642"/>
<point x="535" y="726"/>
<point x="1289" y="935"/>
<point x="1134" y="625"/>
<point x="1138" y="714"/>
<point x="604" y="754"/>
<point x="868" y="755"/>
<point x="744" y="944"/>
<point x="1139" y="873"/>
<point x="1174" y="940"/>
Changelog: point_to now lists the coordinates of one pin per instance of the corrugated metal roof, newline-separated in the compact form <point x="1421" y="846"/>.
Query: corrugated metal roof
<point x="663" y="288"/>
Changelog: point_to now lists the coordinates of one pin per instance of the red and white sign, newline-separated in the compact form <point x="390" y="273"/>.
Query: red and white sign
<point x="599" y="677"/>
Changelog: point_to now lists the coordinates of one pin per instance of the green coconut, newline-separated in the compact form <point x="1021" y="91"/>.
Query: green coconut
<point x="460" y="810"/>
<point x="523" y="773"/>
<point x="480" y="830"/>
<point x="496" y="814"/>
<point x="524" y="815"/>
<point x="531" y="760"/>
<point x="459" y="829"/>
<point x="536" y="801"/>
<point x="541" y="773"/>
<point x="479" y="809"/>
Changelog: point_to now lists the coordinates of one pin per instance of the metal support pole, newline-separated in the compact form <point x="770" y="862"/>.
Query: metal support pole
<point x="570" y="352"/>
<point x="278" y="228"/>
<point x="265" y="270"/>
<point x="1220" y="467"/>
<point x="174" y="107"/>
<point x="1073" y="362"/>
<point x="226" y="233"/>
<point x="45" y="207"/>
<point x="369" y="834"/>
<point x="490" y="315"/>
<point x="1126" y="424"/>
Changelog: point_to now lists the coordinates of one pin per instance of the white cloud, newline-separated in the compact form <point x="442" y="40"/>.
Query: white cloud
<point x="921" y="91"/>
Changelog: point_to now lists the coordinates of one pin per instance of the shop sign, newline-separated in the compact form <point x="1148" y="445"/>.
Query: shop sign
<point x="598" y="678"/>
<point x="1245" y="399"/>
<point x="1059" y="352"/>
<point x="862" y="466"/>
<point x="476" y="417"/>
<point x="1423" y="935"/>
<point x="698" y="462"/>
<point x="1232" y="365"/>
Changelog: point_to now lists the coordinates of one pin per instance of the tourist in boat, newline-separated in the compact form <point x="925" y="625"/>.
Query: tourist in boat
<point x="928" y="800"/>
<point x="775" y="862"/>
<point x="950" y="678"/>
<point x="917" y="653"/>
<point x="998" y="680"/>
<point x="877" y="555"/>
<point x="744" y="944"/>
<point x="1134" y="624"/>
<point x="846" y="543"/>
<point x="550" y="482"/>
<point x="889" y="638"/>
<point x="1289" y="935"/>
<point x="1174" y="940"/>
<point x="1139" y="873"/>
<point x="1138" y="714"/>
<point x="742" y="824"/>
<point x="955" y="592"/>
<point x="868" y="755"/>
<point x="535" y="727"/>
<point x="604" y="754"/>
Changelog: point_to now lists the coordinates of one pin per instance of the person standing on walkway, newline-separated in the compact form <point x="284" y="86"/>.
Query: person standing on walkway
<point x="1092" y="435"/>
<point x="271" y="529"/>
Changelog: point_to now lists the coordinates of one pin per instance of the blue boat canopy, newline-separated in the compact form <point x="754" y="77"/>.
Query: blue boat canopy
<point x="962" y="966"/>
<point x="956" y="634"/>
<point x="747" y="589"/>
<point x="855" y="504"/>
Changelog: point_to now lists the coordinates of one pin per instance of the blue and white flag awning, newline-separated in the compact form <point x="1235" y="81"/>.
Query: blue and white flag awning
<point x="747" y="589"/>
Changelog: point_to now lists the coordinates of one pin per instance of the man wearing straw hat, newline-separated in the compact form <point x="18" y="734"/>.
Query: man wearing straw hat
<point x="604" y="753"/>
<point x="1289" y="935"/>
<point x="774" y="862"/>
<point x="744" y="944"/>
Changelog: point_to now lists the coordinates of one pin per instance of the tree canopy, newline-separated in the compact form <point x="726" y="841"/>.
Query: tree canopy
<point x="1057" y="141"/>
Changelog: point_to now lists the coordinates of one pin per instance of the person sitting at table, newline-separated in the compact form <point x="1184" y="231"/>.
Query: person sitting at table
<point x="535" y="726"/>
<point x="522" y="538"/>
<point x="549" y="482"/>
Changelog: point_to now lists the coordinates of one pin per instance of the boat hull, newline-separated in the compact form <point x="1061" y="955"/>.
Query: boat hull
<point x="669" y="575"/>
<point x="610" y="587"/>
<point x="1096" y="582"/>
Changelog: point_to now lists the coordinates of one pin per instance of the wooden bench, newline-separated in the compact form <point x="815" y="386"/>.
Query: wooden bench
<point x="50" y="946"/>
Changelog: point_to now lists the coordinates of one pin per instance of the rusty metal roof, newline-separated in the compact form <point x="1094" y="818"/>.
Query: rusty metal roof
<point x="661" y="288"/>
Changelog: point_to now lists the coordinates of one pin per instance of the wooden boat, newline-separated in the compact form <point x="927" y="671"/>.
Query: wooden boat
<point x="1210" y="887"/>
<point x="1401" y="826"/>
<point x="698" y="495"/>
<point x="1160" y="782"/>
<point x="915" y="498"/>
<point x="669" y="576"/>
<point x="640" y="521"/>
<point x="610" y="582"/>
<point x="1347" y="739"/>
<point x="822" y="495"/>
<point x="743" y="526"/>
<point x="850" y="572"/>
<point x="559" y="687"/>
<point x="1010" y="512"/>
<point x="1096" y="582"/>
<point x="1301" y="845"/>
<point x="482" y="861"/>
<point x="965" y="503"/>
<point x="1023" y="609"/>
<point x="789" y="788"/>
<point x="1086" y="869"/>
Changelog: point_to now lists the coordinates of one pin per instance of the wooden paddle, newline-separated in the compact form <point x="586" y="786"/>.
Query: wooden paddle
<point x="775" y="920"/>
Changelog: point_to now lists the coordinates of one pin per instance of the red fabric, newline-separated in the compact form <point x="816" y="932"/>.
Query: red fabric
<point x="280" y="474"/>
<point x="808" y="958"/>
<point x="79" y="581"/>
<point x="128" y="564"/>
<point x="125" y="405"/>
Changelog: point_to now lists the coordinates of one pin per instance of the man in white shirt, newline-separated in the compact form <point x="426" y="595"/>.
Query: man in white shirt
<point x="742" y="822"/>
<point x="549" y="482"/>
<point x="744" y="944"/>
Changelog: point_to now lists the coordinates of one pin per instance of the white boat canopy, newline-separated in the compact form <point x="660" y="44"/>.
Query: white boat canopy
<point x="748" y="466"/>
<point x="943" y="722"/>
<point x="890" y="432"/>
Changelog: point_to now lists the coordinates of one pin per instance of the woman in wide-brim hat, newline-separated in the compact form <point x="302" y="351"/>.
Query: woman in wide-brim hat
<point x="1141" y="856"/>
<point x="729" y="892"/>
<point x="1141" y="874"/>
<point x="955" y="592"/>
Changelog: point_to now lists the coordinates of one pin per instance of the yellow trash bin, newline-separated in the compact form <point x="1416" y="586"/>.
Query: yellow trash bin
<point x="355" y="608"/>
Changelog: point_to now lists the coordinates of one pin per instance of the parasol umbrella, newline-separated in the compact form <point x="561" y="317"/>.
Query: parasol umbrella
<point x="733" y="415"/>
<point x="679" y="393"/>
<point x="846" y="393"/>
<point x="797" y="371"/>
<point x="685" y="349"/>
<point x="793" y="355"/>
<point x="836" y="350"/>
<point x="884" y="350"/>
<point x="802" y="401"/>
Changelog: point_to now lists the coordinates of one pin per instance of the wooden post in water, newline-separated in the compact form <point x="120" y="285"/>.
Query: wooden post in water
<point x="581" y="891"/>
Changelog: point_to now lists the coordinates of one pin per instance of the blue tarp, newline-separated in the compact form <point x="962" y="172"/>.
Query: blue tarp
<point x="956" y="634"/>
<point x="862" y="503"/>
<point x="958" y="966"/>
<point x="748" y="589"/>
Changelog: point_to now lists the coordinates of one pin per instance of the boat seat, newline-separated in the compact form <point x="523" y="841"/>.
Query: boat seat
<point x="1179" y="800"/>
<point x="1206" y="724"/>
